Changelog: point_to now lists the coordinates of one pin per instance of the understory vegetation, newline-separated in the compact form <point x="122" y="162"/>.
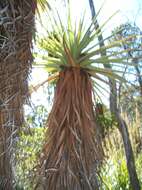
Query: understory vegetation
<point x="114" y="174"/>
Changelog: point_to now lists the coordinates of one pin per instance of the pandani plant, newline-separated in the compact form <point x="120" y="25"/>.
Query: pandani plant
<point x="73" y="151"/>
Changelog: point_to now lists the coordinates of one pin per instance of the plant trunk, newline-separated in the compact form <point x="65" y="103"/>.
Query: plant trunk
<point x="16" y="30"/>
<point x="6" y="174"/>
<point x="73" y="152"/>
<point x="113" y="107"/>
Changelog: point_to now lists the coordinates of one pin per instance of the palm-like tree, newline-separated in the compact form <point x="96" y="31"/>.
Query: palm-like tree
<point x="16" y="30"/>
<point x="73" y="149"/>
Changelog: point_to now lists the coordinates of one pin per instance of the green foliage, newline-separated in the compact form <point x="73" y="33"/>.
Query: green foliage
<point x="29" y="144"/>
<point x="106" y="122"/>
<point x="129" y="100"/>
<point x="37" y="116"/>
<point x="139" y="167"/>
<point x="28" y="147"/>
<point x="19" y="188"/>
<point x="114" y="173"/>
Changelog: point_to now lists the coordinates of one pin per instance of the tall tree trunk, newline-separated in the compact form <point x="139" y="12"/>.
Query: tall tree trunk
<point x="128" y="151"/>
<point x="16" y="29"/>
<point x="138" y="75"/>
<point x="121" y="123"/>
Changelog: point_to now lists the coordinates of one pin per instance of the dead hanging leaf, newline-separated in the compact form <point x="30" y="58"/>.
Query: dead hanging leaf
<point x="49" y="79"/>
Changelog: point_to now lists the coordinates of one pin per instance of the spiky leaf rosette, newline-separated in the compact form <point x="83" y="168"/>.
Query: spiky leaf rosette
<point x="73" y="149"/>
